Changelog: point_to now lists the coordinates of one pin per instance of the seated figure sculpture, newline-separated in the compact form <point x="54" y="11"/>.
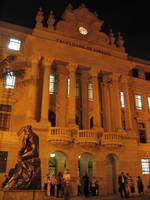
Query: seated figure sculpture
<point x="27" y="171"/>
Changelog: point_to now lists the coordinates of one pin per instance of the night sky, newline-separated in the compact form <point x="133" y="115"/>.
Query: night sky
<point x="130" y="17"/>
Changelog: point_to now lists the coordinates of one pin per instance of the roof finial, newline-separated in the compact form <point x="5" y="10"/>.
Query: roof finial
<point x="120" y="42"/>
<point x="111" y="38"/>
<point x="51" y="20"/>
<point x="39" y="18"/>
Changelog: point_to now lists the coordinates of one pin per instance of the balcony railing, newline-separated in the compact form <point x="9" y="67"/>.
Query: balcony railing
<point x="60" y="134"/>
<point x="112" y="138"/>
<point x="87" y="137"/>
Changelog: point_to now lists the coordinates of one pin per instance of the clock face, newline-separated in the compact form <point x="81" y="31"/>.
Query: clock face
<point x="83" y="30"/>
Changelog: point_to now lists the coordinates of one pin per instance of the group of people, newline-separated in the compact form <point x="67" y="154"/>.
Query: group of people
<point x="127" y="186"/>
<point x="90" y="186"/>
<point x="58" y="185"/>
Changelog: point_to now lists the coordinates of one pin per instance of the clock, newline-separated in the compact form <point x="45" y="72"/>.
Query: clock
<point x="83" y="30"/>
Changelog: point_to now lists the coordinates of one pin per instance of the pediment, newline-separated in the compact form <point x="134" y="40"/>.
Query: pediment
<point x="82" y="18"/>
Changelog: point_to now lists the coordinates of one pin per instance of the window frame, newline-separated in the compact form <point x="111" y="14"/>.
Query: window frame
<point x="138" y="101"/>
<point x="145" y="169"/>
<point x="90" y="91"/>
<point x="14" y="44"/>
<point x="10" y="80"/>
<point x="53" y="84"/>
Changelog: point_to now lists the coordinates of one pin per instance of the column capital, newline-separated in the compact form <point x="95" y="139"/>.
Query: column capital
<point x="47" y="61"/>
<point x="94" y="72"/>
<point x="72" y="67"/>
<point x="34" y="59"/>
<point x="115" y="76"/>
<point x="124" y="79"/>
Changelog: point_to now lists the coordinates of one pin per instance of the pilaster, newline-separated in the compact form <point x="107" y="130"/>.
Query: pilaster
<point x="45" y="90"/>
<point x="72" y="67"/>
<point x="96" y="100"/>
<point x="128" y="118"/>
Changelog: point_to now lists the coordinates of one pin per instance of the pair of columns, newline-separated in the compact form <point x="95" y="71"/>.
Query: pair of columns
<point x="111" y="92"/>
<point x="71" y="99"/>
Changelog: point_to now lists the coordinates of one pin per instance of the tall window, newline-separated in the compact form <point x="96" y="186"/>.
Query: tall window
<point x="147" y="76"/>
<point x="90" y="90"/>
<point x="138" y="102"/>
<point x="122" y="99"/>
<point x="5" y="113"/>
<point x="68" y="86"/>
<point x="142" y="133"/>
<point x="3" y="161"/>
<point x="78" y="87"/>
<point x="14" y="44"/>
<point x="135" y="72"/>
<point x="10" y="80"/>
<point x="145" y="162"/>
<point x="148" y="99"/>
<point x="53" y="84"/>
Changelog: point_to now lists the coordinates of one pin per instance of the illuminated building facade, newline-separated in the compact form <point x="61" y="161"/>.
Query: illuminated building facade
<point x="88" y="101"/>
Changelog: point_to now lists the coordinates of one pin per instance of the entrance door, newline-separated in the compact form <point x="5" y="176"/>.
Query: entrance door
<point x="57" y="163"/>
<point x="111" y="173"/>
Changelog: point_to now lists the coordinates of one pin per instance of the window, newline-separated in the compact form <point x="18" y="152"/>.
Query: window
<point x="142" y="133"/>
<point x="148" y="99"/>
<point x="138" y="101"/>
<point x="135" y="72"/>
<point x="90" y="90"/>
<point x="147" y="76"/>
<point x="53" y="84"/>
<point x="122" y="99"/>
<point x="5" y="113"/>
<point x="14" y="44"/>
<point x="10" y="80"/>
<point x="3" y="161"/>
<point x="68" y="91"/>
<point x="77" y="87"/>
<point x="145" y="165"/>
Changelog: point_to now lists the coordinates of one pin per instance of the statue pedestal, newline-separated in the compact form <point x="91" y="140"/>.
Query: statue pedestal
<point x="23" y="195"/>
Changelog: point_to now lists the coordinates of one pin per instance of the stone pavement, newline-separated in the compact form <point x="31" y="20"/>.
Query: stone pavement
<point x="113" y="197"/>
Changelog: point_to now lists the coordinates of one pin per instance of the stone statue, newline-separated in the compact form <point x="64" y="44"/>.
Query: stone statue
<point x="27" y="171"/>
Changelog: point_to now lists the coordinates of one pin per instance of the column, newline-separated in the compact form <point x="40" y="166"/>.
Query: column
<point x="84" y="99"/>
<point x="61" y="96"/>
<point x="128" y="118"/>
<point x="106" y="105"/>
<point x="96" y="100"/>
<point x="72" y="97"/>
<point x="31" y="111"/>
<point x="45" y="91"/>
<point x="116" y="102"/>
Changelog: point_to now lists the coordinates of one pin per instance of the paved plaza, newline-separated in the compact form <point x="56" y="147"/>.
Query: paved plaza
<point x="114" y="197"/>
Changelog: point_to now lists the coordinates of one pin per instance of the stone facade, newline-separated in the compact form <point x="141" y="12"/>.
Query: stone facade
<point x="82" y="121"/>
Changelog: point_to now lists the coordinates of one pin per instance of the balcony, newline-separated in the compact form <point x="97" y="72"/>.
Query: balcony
<point x="112" y="139"/>
<point x="87" y="137"/>
<point x="60" y="134"/>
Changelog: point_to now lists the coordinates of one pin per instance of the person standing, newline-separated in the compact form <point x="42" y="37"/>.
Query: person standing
<point x="122" y="185"/>
<point x="78" y="186"/>
<point x="48" y="186"/>
<point x="86" y="185"/>
<point x="140" y="185"/>
<point x="59" y="184"/>
<point x="67" y="185"/>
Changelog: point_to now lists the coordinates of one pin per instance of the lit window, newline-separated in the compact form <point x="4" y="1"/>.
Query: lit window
<point x="138" y="101"/>
<point x="10" y="80"/>
<point x="145" y="165"/>
<point x="122" y="99"/>
<point x="148" y="99"/>
<point x="90" y="90"/>
<point x="5" y="114"/>
<point x="53" y="84"/>
<point x="14" y="44"/>
<point x="68" y="92"/>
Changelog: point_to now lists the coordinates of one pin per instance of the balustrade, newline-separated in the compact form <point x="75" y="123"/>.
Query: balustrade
<point x="112" y="138"/>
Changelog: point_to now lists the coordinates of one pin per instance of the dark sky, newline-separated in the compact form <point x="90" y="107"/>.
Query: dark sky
<point x="130" y="17"/>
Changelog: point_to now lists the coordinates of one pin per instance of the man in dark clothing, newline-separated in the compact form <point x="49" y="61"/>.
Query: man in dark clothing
<point x="122" y="185"/>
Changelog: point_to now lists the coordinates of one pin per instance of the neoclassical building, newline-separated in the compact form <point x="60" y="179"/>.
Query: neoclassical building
<point x="85" y="97"/>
